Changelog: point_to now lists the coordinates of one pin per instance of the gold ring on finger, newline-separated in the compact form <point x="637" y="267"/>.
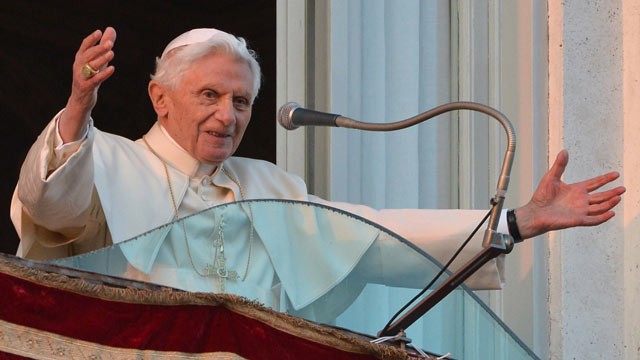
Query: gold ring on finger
<point x="88" y="72"/>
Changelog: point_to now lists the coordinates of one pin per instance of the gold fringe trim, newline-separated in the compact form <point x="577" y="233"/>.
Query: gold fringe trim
<point x="165" y="296"/>
<point x="36" y="344"/>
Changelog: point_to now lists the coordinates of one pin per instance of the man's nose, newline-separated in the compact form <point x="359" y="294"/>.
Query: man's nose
<point x="225" y="112"/>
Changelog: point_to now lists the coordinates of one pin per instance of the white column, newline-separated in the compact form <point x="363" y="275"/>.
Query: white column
<point x="631" y="161"/>
<point x="292" y="76"/>
<point x="593" y="112"/>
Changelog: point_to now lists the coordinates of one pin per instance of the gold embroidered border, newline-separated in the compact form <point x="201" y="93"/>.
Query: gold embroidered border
<point x="37" y="344"/>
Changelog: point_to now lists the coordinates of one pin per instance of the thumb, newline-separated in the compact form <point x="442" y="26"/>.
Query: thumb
<point x="562" y="159"/>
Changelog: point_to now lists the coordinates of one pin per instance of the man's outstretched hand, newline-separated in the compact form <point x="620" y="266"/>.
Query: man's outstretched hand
<point x="556" y="205"/>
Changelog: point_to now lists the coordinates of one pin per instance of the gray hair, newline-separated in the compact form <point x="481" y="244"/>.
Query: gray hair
<point x="171" y="66"/>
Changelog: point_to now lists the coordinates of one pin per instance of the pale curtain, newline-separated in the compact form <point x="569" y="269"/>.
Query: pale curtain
<point x="391" y="60"/>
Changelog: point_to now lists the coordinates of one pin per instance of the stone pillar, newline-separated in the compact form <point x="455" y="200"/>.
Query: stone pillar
<point x="594" y="112"/>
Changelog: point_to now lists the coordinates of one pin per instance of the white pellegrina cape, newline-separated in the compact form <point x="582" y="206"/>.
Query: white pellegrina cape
<point x="112" y="189"/>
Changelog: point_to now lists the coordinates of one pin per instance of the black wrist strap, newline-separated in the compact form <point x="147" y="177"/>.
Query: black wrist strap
<point x="512" y="223"/>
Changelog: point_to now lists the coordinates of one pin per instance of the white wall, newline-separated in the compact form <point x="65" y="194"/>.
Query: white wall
<point x="593" y="97"/>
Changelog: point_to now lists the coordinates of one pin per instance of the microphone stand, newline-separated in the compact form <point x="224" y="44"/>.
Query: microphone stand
<point x="494" y="243"/>
<point x="499" y="244"/>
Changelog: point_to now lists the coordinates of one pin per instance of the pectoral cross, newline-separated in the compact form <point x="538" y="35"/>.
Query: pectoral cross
<point x="219" y="266"/>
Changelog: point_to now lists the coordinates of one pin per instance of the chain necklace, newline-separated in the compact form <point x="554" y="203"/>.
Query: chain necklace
<point x="219" y="266"/>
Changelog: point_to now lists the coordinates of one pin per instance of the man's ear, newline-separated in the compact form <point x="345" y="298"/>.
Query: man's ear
<point x="159" y="98"/>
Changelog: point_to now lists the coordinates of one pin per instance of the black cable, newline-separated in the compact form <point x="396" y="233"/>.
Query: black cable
<point x="444" y="268"/>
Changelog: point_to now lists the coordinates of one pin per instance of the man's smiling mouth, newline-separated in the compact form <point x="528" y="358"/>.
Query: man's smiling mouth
<point x="217" y="134"/>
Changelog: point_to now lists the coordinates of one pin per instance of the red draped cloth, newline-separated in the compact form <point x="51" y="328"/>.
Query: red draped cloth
<point x="47" y="315"/>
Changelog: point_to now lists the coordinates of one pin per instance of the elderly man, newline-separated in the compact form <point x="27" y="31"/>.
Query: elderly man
<point x="81" y="189"/>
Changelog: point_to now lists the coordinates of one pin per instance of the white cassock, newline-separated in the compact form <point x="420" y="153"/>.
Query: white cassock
<point x="79" y="197"/>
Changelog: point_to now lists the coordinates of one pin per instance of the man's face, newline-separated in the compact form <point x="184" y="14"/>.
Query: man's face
<point x="210" y="108"/>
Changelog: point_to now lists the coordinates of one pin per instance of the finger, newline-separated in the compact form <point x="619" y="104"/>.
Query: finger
<point x="100" y="62"/>
<point x="562" y="159"/>
<point x="600" y="197"/>
<point x="598" y="181"/>
<point x="90" y="41"/>
<point x="109" y="35"/>
<point x="603" y="207"/>
<point x="96" y="50"/>
<point x="598" y="219"/>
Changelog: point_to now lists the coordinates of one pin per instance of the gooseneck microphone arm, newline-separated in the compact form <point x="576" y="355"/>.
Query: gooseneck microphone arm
<point x="291" y="116"/>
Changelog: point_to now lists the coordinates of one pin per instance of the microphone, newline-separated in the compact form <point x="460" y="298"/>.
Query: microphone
<point x="291" y="116"/>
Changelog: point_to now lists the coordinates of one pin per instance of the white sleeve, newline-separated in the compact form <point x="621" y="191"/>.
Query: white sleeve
<point x="438" y="232"/>
<point x="55" y="187"/>
<point x="62" y="151"/>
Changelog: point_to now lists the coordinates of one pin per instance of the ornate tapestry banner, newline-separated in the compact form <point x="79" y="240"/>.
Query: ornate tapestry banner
<point x="47" y="315"/>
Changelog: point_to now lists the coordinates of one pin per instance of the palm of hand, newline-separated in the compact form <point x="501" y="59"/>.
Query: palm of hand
<point x="557" y="205"/>
<point x="560" y="205"/>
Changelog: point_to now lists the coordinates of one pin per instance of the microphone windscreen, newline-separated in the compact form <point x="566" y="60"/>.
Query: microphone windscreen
<point x="285" y="115"/>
